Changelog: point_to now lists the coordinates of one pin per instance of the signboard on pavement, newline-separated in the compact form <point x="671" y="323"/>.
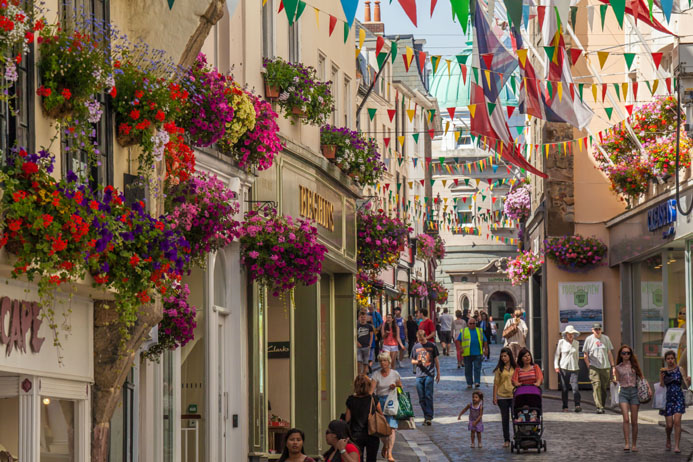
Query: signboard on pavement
<point x="580" y="304"/>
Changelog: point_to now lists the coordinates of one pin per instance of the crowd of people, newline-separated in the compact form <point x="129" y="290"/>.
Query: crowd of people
<point x="383" y="344"/>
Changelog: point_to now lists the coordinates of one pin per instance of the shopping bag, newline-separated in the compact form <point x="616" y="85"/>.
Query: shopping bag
<point x="644" y="394"/>
<point x="406" y="424"/>
<point x="405" y="411"/>
<point x="613" y="388"/>
<point x="687" y="397"/>
<point x="660" y="397"/>
<point x="391" y="403"/>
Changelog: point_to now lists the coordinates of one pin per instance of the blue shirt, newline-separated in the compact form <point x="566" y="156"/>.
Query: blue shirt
<point x="474" y="342"/>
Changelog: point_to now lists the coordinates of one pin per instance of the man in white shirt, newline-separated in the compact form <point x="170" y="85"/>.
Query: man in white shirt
<point x="567" y="366"/>
<point x="446" y="331"/>
<point x="599" y="358"/>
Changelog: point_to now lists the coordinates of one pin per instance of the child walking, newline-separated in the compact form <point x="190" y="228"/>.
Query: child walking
<point x="476" y="412"/>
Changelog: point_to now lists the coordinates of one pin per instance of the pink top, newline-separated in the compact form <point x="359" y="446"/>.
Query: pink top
<point x="390" y="339"/>
<point x="626" y="375"/>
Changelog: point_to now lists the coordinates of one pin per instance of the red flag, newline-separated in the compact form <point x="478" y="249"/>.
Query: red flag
<point x="432" y="133"/>
<point x="333" y="22"/>
<point x="575" y="54"/>
<point x="422" y="61"/>
<point x="391" y="113"/>
<point x="541" y="11"/>
<point x="604" y="88"/>
<point x="629" y="108"/>
<point x="422" y="182"/>
<point x="635" y="90"/>
<point x="510" y="110"/>
<point x="488" y="59"/>
<point x="387" y="141"/>
<point x="668" y="82"/>
<point x="406" y="63"/>
<point x="463" y="68"/>
<point x="657" y="58"/>
<point x="409" y="7"/>
<point x="451" y="111"/>
<point x="456" y="180"/>
<point x="433" y="6"/>
<point x="379" y="43"/>
<point x="281" y="7"/>
<point x="572" y="91"/>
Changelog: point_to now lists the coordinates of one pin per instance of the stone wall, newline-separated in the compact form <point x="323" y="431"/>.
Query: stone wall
<point x="559" y="190"/>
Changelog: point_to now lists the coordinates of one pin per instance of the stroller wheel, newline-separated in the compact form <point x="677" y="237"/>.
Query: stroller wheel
<point x="543" y="442"/>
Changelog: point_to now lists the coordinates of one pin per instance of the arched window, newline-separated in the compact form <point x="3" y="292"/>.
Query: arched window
<point x="464" y="302"/>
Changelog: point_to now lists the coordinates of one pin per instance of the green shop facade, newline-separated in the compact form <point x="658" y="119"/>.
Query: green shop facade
<point x="302" y="346"/>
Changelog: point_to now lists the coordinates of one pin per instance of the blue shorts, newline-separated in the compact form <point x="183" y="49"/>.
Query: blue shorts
<point x="391" y="420"/>
<point x="628" y="395"/>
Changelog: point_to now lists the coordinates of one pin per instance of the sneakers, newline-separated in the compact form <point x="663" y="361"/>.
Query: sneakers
<point x="477" y="385"/>
<point x="601" y="411"/>
<point x="578" y="409"/>
<point x="427" y="422"/>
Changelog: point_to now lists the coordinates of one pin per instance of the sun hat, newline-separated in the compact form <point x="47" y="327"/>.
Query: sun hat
<point x="570" y="330"/>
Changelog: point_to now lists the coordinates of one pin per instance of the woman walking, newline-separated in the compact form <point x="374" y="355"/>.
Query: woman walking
<point x="457" y="325"/>
<point x="412" y="327"/>
<point x="626" y="374"/>
<point x="341" y="448"/>
<point x="385" y="380"/>
<point x="503" y="390"/>
<point x="514" y="333"/>
<point x="293" y="447"/>
<point x="567" y="366"/>
<point x="485" y="326"/>
<point x="675" y="380"/>
<point x="359" y="406"/>
<point x="391" y="339"/>
<point x="526" y="372"/>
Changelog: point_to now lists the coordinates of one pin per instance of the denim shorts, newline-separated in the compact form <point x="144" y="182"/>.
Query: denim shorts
<point x="628" y="395"/>
<point x="391" y="348"/>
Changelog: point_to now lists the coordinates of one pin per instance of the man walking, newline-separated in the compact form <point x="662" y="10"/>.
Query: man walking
<point x="474" y="343"/>
<point x="425" y="359"/>
<point x="402" y="332"/>
<point x="364" y="339"/>
<point x="599" y="358"/>
<point x="446" y="331"/>
<point x="427" y="325"/>
<point x="376" y="320"/>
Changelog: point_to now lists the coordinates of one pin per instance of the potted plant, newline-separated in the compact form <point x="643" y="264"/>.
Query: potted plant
<point x="177" y="327"/>
<point x="521" y="268"/>
<point x="437" y="292"/>
<point x="425" y="246"/>
<point x="517" y="203"/>
<point x="575" y="252"/>
<point x="245" y="116"/>
<point x="16" y="34"/>
<point x="301" y="94"/>
<point x="355" y="156"/>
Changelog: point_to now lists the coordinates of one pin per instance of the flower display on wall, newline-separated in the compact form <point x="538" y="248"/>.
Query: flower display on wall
<point x="517" y="203"/>
<point x="177" y="327"/>
<point x="425" y="246"/>
<point x="439" y="250"/>
<point x="357" y="157"/>
<point x="521" y="268"/>
<point x="437" y="292"/>
<point x="418" y="289"/>
<point x="575" y="252"/>
<point x="380" y="239"/>
<point x="279" y="251"/>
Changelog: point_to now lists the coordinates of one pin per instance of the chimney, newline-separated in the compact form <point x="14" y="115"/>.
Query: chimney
<point x="376" y="26"/>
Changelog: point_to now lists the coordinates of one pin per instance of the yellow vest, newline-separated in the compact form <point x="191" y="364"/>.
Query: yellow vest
<point x="467" y="337"/>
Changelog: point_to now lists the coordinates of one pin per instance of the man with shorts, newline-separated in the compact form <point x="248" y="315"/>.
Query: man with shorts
<point x="446" y="331"/>
<point x="364" y="339"/>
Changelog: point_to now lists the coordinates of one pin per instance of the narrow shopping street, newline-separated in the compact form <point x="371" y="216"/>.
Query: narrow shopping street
<point x="578" y="437"/>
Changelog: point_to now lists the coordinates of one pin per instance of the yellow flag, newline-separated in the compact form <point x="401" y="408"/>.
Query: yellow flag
<point x="522" y="56"/>
<point x="487" y="73"/>
<point x="602" y="58"/>
<point x="559" y="86"/>
<point x="362" y="37"/>
<point x="472" y="109"/>
<point x="447" y="126"/>
<point x="655" y="84"/>
<point x="594" y="91"/>
<point x="401" y="140"/>
<point x="410" y="184"/>
<point x="410" y="53"/>
<point x="435" y="66"/>
<point x="447" y="61"/>
<point x="546" y="150"/>
<point x="410" y="114"/>
<point x="264" y="2"/>
<point x="457" y="136"/>
<point x="317" y="17"/>
<point x="477" y="182"/>
<point x="624" y="88"/>
<point x="444" y="182"/>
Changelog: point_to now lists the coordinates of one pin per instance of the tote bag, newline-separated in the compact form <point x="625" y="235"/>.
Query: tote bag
<point x="644" y="394"/>
<point x="406" y="411"/>
<point x="391" y="403"/>
<point x="377" y="424"/>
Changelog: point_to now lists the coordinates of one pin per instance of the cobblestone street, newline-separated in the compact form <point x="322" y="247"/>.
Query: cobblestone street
<point x="580" y="437"/>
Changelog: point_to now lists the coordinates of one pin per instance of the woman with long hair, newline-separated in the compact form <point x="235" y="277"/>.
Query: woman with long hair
<point x="674" y="378"/>
<point x="391" y="338"/>
<point x="526" y="372"/>
<point x="503" y="390"/>
<point x="359" y="406"/>
<point x="384" y="381"/>
<point x="626" y="374"/>
<point x="293" y="447"/>
<point x="341" y="448"/>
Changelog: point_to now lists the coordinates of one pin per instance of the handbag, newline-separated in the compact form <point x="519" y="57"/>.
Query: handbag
<point x="614" y="390"/>
<point x="687" y="396"/>
<point x="377" y="424"/>
<point x="406" y="411"/>
<point x="660" y="397"/>
<point x="510" y="331"/>
<point x="644" y="393"/>
<point x="391" y="403"/>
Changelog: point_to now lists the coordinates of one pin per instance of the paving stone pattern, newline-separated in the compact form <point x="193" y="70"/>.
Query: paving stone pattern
<point x="576" y="437"/>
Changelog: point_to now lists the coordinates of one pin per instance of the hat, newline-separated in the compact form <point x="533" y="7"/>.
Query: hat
<point x="597" y="325"/>
<point x="570" y="330"/>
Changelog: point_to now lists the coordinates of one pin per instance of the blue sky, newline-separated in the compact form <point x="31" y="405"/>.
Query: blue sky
<point x="442" y="35"/>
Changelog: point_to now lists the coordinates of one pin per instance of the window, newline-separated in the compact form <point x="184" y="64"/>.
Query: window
<point x="294" y="42"/>
<point x="464" y="302"/>
<point x="347" y="102"/>
<point x="465" y="209"/>
<point x="334" y="78"/>
<point x="321" y="66"/>
<point x="268" y="30"/>
<point x="122" y="435"/>
<point x="17" y="116"/>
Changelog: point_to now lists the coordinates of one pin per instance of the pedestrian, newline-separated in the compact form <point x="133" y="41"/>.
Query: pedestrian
<point x="359" y="406"/>
<point x="485" y="326"/>
<point x="626" y="374"/>
<point x="293" y="447"/>
<point x="494" y="331"/>
<point x="566" y="362"/>
<point x="503" y="390"/>
<point x="508" y="314"/>
<point x="364" y="340"/>
<point x="412" y="328"/>
<point x="402" y="326"/>
<point x="457" y="325"/>
<point x="376" y="319"/>
<point x="476" y="413"/>
<point x="674" y="378"/>
<point x="341" y="449"/>
<point x="446" y="331"/>
<point x="526" y="372"/>
<point x="599" y="359"/>
<point x="425" y="360"/>
<point x="385" y="380"/>
<point x="427" y="325"/>
<point x="465" y="315"/>
<point x="391" y="339"/>
<point x="514" y="333"/>
<point x="437" y="324"/>
<point x="474" y="344"/>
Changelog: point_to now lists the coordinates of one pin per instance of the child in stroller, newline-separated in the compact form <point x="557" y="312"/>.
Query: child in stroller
<point x="528" y="423"/>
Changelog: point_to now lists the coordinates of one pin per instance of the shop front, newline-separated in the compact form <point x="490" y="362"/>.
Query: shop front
<point x="302" y="344"/>
<point x="652" y="246"/>
<point x="44" y="388"/>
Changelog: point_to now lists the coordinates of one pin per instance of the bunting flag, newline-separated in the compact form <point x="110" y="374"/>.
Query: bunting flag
<point x="372" y="111"/>
<point x="603" y="55"/>
<point x="657" y="58"/>
<point x="451" y="111"/>
<point x="409" y="7"/>
<point x="333" y="23"/>
<point x="643" y="13"/>
<point x="391" y="113"/>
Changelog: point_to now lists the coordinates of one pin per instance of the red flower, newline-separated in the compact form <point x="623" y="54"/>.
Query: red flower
<point x="134" y="260"/>
<point x="139" y="94"/>
<point x="14" y="225"/>
<point x="59" y="245"/>
<point x="160" y="115"/>
<point x="43" y="91"/>
<point x="101" y="279"/>
<point x="47" y="220"/>
<point x="29" y="168"/>
<point x="113" y="92"/>
<point x="94" y="205"/>
<point x="134" y="114"/>
<point x="143" y="296"/>
<point x="124" y="129"/>
<point x="67" y="94"/>
<point x="79" y="197"/>
<point x="19" y="195"/>
<point x="39" y="25"/>
<point x="116" y="64"/>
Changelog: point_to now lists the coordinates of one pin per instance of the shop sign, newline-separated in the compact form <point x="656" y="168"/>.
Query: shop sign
<point x="661" y="215"/>
<point x="17" y="319"/>
<point x="580" y="304"/>
<point x="278" y="350"/>
<point x="316" y="207"/>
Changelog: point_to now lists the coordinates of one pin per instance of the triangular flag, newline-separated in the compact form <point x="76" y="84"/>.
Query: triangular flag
<point x="575" y="54"/>
<point x="491" y="107"/>
<point x="657" y="58"/>
<point x="668" y="82"/>
<point x="510" y="110"/>
<point x="371" y="112"/>
<point x="594" y="91"/>
<point x="655" y="84"/>
<point x="409" y="7"/>
<point x="629" y="59"/>
<point x="488" y="60"/>
<point x="472" y="109"/>
<point x="379" y="44"/>
<point x="619" y="7"/>
<point x="609" y="111"/>
<point x="602" y="13"/>
<point x="604" y="88"/>
<point x="618" y="91"/>
<point x="409" y="53"/>
<point x="400" y="138"/>
<point x="635" y="91"/>
<point x="301" y="9"/>
<point x="290" y="8"/>
<point x="573" y="16"/>
<point x="667" y="6"/>
<point x="435" y="60"/>
<point x="541" y="12"/>
<point x="349" y="7"/>
<point x="549" y="52"/>
<point x="629" y="108"/>
<point x="391" y="113"/>
<point x="333" y="22"/>
<point x="463" y="68"/>
<point x="387" y="142"/>
<point x="416" y="140"/>
<point x="624" y="89"/>
<point x="460" y="9"/>
<point x="433" y="6"/>
<point x="422" y="61"/>
<point x="451" y="111"/>
<point x="410" y="114"/>
<point x="393" y="50"/>
<point x="317" y="17"/>
<point x="602" y="58"/>
<point x="346" y="32"/>
<point x="432" y="133"/>
<point x="522" y="56"/>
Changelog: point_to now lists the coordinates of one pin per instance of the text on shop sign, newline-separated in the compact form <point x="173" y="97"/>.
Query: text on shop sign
<point x="17" y="318"/>
<point x="315" y="207"/>
<point x="661" y="215"/>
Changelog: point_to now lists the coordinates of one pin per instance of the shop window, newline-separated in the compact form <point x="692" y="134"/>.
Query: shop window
<point x="9" y="428"/>
<point x="58" y="430"/>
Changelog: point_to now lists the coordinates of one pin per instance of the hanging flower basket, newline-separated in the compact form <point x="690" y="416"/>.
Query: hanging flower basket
<point x="271" y="91"/>
<point x="328" y="150"/>
<point x="354" y="155"/>
<point x="437" y="292"/>
<point x="379" y="238"/>
<point x="418" y="289"/>
<point x="576" y="253"/>
<point x="298" y="112"/>
<point x="522" y="267"/>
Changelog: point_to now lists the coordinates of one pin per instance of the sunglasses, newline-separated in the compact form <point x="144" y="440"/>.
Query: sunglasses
<point x="626" y="353"/>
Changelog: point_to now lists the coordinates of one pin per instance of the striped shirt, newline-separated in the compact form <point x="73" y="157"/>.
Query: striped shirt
<point x="529" y="377"/>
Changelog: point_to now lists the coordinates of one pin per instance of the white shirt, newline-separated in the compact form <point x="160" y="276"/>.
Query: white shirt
<point x="446" y="322"/>
<point x="520" y="335"/>
<point x="597" y="351"/>
<point x="567" y="355"/>
<point x="382" y="384"/>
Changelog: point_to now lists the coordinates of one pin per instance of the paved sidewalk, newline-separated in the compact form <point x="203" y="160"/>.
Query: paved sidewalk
<point x="579" y="437"/>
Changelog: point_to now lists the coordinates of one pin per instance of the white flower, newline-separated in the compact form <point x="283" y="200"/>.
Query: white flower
<point x="159" y="139"/>
<point x="11" y="71"/>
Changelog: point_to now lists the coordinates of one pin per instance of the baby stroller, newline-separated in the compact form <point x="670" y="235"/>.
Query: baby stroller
<point x="528" y="420"/>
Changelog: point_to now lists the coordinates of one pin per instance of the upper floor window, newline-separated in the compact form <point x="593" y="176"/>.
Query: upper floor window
<point x="17" y="112"/>
<point x="268" y="29"/>
<point x="294" y="42"/>
<point x="334" y="78"/>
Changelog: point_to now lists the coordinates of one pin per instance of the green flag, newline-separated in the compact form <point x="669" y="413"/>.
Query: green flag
<point x="371" y="112"/>
<point x="290" y="8"/>
<point x="475" y="71"/>
<point x="393" y="50"/>
<point x="381" y="59"/>
<point x="573" y="15"/>
<point x="460" y="8"/>
<point x="581" y="86"/>
<point x="619" y="7"/>
<point x="416" y="137"/>
<point x="602" y="13"/>
<point x="609" y="111"/>
<point x="629" y="59"/>
<point x="346" y="32"/>
<point x="618" y="92"/>
<point x="301" y="9"/>
<point x="549" y="52"/>
<point x="491" y="107"/>
<point x="514" y="9"/>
